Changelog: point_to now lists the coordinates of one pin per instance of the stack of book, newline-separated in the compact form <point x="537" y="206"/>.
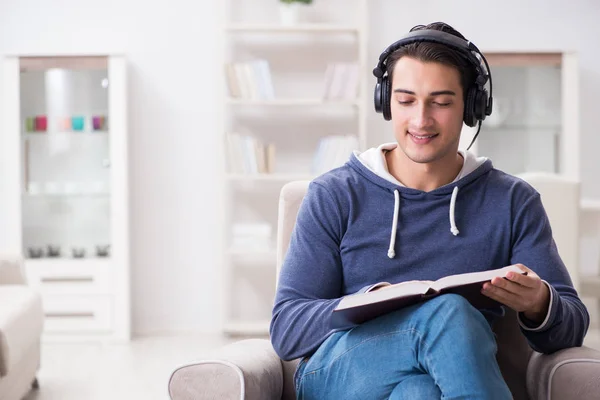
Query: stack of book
<point x="332" y="152"/>
<point x="250" y="80"/>
<point x="248" y="155"/>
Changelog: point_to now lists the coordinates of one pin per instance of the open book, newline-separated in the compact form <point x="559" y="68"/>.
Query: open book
<point x="358" y="308"/>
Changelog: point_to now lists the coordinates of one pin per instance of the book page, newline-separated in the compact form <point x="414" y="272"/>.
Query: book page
<point x="473" y="277"/>
<point x="408" y="288"/>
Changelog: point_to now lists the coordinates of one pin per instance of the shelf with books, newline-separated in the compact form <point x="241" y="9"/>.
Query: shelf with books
<point x="295" y="106"/>
<point x="254" y="81"/>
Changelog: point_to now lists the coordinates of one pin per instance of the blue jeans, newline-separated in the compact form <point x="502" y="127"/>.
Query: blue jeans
<point x="442" y="348"/>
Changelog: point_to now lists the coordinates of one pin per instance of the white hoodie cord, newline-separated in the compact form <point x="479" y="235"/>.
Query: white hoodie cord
<point x="453" y="227"/>
<point x="391" y="252"/>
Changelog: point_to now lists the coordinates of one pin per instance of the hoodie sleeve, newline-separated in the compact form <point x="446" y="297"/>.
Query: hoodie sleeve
<point x="567" y="320"/>
<point x="310" y="281"/>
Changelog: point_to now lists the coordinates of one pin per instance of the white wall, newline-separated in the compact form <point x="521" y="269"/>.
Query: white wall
<point x="172" y="48"/>
<point x="175" y="82"/>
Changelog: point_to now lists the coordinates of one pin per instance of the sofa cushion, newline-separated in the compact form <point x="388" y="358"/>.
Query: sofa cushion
<point x="21" y="323"/>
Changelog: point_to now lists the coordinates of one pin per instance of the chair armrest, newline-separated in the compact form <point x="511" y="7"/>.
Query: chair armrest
<point x="572" y="373"/>
<point x="247" y="370"/>
<point x="11" y="270"/>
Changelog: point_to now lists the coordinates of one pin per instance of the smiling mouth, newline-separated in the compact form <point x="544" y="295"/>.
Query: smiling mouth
<point x="422" y="136"/>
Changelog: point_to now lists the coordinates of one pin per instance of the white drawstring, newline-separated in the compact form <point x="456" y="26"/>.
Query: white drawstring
<point x="391" y="252"/>
<point x="453" y="227"/>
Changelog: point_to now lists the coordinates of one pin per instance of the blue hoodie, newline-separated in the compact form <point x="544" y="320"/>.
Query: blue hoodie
<point x="358" y="226"/>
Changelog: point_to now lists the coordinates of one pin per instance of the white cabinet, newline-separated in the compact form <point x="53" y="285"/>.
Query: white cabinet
<point x="65" y="180"/>
<point x="296" y="98"/>
<point x="535" y="123"/>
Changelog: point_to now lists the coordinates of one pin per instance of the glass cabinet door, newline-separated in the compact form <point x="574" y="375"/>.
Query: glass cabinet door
<point x="65" y="134"/>
<point x="534" y="126"/>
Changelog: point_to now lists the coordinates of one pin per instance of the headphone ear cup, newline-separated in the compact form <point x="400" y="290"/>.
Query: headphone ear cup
<point x="386" y="98"/>
<point x="481" y="104"/>
<point x="469" y="112"/>
<point x="377" y="98"/>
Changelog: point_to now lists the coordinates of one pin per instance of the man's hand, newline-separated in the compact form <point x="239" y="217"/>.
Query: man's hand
<point x="522" y="293"/>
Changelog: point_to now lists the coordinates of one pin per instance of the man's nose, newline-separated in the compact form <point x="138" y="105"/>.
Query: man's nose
<point x="422" y="116"/>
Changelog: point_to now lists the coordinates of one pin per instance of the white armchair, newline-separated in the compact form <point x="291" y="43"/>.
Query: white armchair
<point x="250" y="369"/>
<point x="21" y="323"/>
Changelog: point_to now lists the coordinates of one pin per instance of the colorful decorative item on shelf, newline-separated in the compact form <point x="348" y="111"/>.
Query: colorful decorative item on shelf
<point x="30" y="124"/>
<point x="41" y="123"/>
<point x="99" y="122"/>
<point x="77" y="123"/>
<point x="64" y="124"/>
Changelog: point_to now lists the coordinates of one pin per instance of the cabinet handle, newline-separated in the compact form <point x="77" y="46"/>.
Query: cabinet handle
<point x="67" y="279"/>
<point x="82" y="314"/>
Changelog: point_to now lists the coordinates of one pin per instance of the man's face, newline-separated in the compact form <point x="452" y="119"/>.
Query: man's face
<point x="427" y="109"/>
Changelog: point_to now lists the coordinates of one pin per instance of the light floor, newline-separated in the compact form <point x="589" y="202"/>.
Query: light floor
<point x="139" y="370"/>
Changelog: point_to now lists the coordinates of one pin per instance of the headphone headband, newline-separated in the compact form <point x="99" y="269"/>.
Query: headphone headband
<point x="466" y="48"/>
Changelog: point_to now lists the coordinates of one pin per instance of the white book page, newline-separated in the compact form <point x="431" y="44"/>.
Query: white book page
<point x="473" y="277"/>
<point x="385" y="293"/>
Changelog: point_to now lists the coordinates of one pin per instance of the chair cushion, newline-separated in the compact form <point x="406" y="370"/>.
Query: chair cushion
<point x="21" y="323"/>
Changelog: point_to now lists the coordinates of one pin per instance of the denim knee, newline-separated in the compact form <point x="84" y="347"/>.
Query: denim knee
<point x="453" y="302"/>
<point x="457" y="313"/>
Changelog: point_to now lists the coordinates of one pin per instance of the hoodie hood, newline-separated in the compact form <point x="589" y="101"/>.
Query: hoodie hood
<point x="373" y="166"/>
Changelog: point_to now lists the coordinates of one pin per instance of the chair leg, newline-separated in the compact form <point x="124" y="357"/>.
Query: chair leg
<point x="35" y="385"/>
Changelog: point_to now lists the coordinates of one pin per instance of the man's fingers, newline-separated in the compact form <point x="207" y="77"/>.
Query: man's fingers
<point x="512" y="287"/>
<point x="530" y="281"/>
<point x="503" y="296"/>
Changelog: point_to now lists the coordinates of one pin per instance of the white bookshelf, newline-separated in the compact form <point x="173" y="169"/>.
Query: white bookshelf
<point x="292" y="102"/>
<point x="300" y="28"/>
<point x="295" y="118"/>
<point x="245" y="178"/>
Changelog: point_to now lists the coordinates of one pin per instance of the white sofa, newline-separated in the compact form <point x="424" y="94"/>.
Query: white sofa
<point x="21" y="323"/>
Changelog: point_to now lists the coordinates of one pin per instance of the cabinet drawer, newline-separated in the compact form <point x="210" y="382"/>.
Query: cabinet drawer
<point x="70" y="276"/>
<point x="77" y="313"/>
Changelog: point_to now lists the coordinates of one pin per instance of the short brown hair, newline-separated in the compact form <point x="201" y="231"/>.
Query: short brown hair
<point x="434" y="52"/>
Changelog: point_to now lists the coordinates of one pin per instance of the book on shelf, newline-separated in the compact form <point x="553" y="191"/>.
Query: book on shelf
<point x="332" y="152"/>
<point x="341" y="81"/>
<point x="248" y="155"/>
<point x="250" y="80"/>
<point x="362" y="307"/>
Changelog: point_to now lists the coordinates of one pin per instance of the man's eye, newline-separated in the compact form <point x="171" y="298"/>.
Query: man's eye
<point x="442" y="104"/>
<point x="405" y="102"/>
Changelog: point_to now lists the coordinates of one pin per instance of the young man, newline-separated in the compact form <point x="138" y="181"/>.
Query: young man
<point x="420" y="209"/>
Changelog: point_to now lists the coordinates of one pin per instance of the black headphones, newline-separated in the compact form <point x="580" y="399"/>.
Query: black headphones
<point x="477" y="103"/>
